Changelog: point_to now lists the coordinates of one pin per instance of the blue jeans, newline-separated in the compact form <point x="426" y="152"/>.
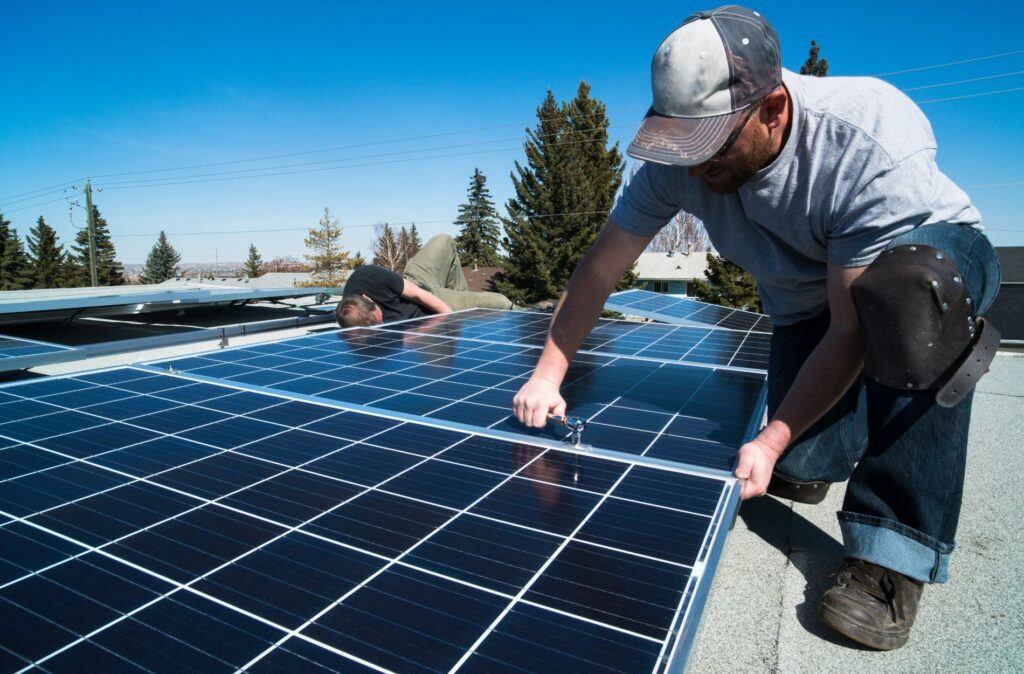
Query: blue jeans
<point x="903" y="453"/>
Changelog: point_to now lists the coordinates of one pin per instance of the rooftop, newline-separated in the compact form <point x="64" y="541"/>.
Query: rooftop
<point x="672" y="266"/>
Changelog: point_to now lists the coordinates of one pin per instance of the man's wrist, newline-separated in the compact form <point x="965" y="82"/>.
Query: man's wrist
<point x="775" y="437"/>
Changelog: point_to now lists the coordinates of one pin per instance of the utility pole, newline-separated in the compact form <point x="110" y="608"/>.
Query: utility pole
<point x="92" y="234"/>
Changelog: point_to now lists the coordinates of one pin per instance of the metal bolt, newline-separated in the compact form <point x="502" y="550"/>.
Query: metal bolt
<point x="913" y="248"/>
<point x="909" y="385"/>
<point x="945" y="306"/>
<point x="938" y="256"/>
<point x="956" y="279"/>
<point x="968" y="300"/>
<point x="935" y="284"/>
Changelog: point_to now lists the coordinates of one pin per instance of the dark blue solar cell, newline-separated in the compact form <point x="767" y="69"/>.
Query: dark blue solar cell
<point x="48" y="387"/>
<point x="580" y="471"/>
<point x="535" y="640"/>
<point x="417" y="439"/>
<point x="618" y="439"/>
<point x="352" y="425"/>
<point x="359" y="395"/>
<point x="411" y="403"/>
<point x="298" y="655"/>
<point x="364" y="464"/>
<point x="128" y="408"/>
<point x="112" y="377"/>
<point x="448" y="390"/>
<point x="196" y="393"/>
<point x="105" y="517"/>
<point x="37" y="428"/>
<point x="154" y="456"/>
<point x="308" y="385"/>
<point x="380" y="523"/>
<point x="97" y="440"/>
<point x="445" y="484"/>
<point x="470" y="414"/>
<point x="539" y="505"/>
<point x="195" y="543"/>
<point x="499" y="455"/>
<point x="293" y="414"/>
<point x="294" y="447"/>
<point x="292" y="579"/>
<point x="693" y="452"/>
<point x="25" y="550"/>
<point x="153" y="384"/>
<point x="217" y="475"/>
<point x="224" y="370"/>
<point x="232" y="401"/>
<point x="674" y="536"/>
<point x="613" y="588"/>
<point x="670" y="489"/>
<point x="486" y="553"/>
<point x="232" y="432"/>
<point x="52" y="487"/>
<point x="22" y="460"/>
<point x="89" y="395"/>
<point x="626" y="418"/>
<point x="187" y="633"/>
<point x="28" y="634"/>
<point x="292" y="498"/>
<point x="178" y="419"/>
<point x="409" y="621"/>
<point x="498" y="398"/>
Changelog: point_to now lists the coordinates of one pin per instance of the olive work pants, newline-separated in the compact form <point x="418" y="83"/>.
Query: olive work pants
<point x="436" y="267"/>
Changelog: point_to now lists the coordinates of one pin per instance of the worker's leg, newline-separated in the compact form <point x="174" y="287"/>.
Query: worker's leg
<point x="464" y="299"/>
<point x="437" y="266"/>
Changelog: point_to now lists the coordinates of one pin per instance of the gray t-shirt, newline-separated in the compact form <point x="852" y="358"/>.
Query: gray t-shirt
<point x="857" y="170"/>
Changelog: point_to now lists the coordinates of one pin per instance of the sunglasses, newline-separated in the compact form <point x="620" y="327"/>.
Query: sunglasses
<point x="731" y="140"/>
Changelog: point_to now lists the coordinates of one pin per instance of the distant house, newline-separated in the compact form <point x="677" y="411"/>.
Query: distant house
<point x="1007" y="312"/>
<point x="672" y="272"/>
<point x="481" y="278"/>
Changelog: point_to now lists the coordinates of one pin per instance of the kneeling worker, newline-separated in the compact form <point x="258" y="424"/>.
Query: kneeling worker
<point x="433" y="283"/>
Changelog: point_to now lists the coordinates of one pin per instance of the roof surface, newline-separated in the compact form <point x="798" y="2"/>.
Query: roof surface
<point x="674" y="267"/>
<point x="1011" y="262"/>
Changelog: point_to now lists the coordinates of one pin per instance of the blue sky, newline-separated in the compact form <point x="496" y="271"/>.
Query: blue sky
<point x="381" y="111"/>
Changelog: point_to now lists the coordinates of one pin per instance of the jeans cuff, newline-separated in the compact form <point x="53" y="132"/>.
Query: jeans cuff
<point x="895" y="546"/>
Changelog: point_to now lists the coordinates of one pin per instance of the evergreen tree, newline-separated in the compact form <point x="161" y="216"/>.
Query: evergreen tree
<point x="386" y="252"/>
<point x="14" y="265"/>
<point x="813" y="65"/>
<point x="404" y="244"/>
<point x="254" y="263"/>
<point x="45" y="256"/>
<point x="415" y="243"/>
<point x="329" y="259"/>
<point x="108" y="270"/>
<point x="356" y="260"/>
<point x="727" y="285"/>
<point x="478" y="237"/>
<point x="162" y="262"/>
<point x="562" y="197"/>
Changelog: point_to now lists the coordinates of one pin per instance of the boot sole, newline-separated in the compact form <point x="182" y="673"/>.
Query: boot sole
<point x="863" y="635"/>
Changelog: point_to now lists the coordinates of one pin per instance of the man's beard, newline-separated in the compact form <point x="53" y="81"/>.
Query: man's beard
<point x="744" y="167"/>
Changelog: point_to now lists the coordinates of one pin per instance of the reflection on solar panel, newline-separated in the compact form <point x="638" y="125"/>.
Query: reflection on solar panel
<point x="690" y="344"/>
<point x="685" y="311"/>
<point x="18" y="354"/>
<point x="150" y="521"/>
<point x="678" y="412"/>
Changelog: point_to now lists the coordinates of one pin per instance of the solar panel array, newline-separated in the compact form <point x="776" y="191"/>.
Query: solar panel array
<point x="689" y="344"/>
<point x="18" y="354"/>
<point x="664" y="410"/>
<point x="152" y="522"/>
<point x="685" y="311"/>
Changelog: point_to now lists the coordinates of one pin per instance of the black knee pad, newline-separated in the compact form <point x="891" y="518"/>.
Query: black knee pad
<point x="918" y="324"/>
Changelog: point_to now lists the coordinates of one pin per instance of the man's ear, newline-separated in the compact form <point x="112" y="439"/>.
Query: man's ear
<point x="773" y="108"/>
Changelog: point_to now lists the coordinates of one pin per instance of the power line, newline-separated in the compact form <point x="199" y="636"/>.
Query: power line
<point x="973" y="79"/>
<point x="960" y="98"/>
<point x="951" y="63"/>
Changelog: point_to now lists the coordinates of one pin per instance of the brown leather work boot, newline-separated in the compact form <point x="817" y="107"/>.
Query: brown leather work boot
<point x="870" y="604"/>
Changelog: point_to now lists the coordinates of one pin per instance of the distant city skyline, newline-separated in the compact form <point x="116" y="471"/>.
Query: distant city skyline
<point x="229" y="124"/>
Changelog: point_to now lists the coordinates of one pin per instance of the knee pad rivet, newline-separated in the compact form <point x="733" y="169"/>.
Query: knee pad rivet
<point x="968" y="300"/>
<point x="938" y="256"/>
<point x="935" y="284"/>
<point x="945" y="306"/>
<point x="956" y="279"/>
<point x="913" y="248"/>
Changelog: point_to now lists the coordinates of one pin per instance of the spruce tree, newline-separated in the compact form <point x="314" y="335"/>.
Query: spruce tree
<point x="14" y="265"/>
<point x="479" y="235"/>
<point x="415" y="243"/>
<point x="329" y="259"/>
<point x="728" y="285"/>
<point x="404" y="244"/>
<point x="162" y="262"/>
<point x="253" y="264"/>
<point x="45" y="256"/>
<point x="356" y="260"/>
<point x="562" y="197"/>
<point x="813" y="65"/>
<point x="386" y="252"/>
<point x="108" y="269"/>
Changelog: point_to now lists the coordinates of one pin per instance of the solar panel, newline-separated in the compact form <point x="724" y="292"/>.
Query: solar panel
<point x="685" y="311"/>
<point x="690" y="344"/>
<point x="672" y="411"/>
<point x="18" y="354"/>
<point x="150" y="521"/>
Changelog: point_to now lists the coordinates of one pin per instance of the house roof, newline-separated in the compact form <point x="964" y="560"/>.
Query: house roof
<point x="671" y="266"/>
<point x="480" y="278"/>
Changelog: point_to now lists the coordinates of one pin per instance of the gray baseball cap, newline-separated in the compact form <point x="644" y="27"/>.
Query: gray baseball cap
<point x="704" y="75"/>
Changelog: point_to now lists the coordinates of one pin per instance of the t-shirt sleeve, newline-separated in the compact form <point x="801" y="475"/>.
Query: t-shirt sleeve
<point x="380" y="284"/>
<point x="647" y="201"/>
<point x="888" y="204"/>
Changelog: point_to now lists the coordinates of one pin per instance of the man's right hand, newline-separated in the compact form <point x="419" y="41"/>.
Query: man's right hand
<point x="537" y="398"/>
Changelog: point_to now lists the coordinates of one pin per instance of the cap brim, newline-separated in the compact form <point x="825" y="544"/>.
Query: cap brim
<point x="681" y="141"/>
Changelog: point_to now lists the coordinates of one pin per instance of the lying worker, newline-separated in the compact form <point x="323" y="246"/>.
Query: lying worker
<point x="866" y="255"/>
<point x="433" y="283"/>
